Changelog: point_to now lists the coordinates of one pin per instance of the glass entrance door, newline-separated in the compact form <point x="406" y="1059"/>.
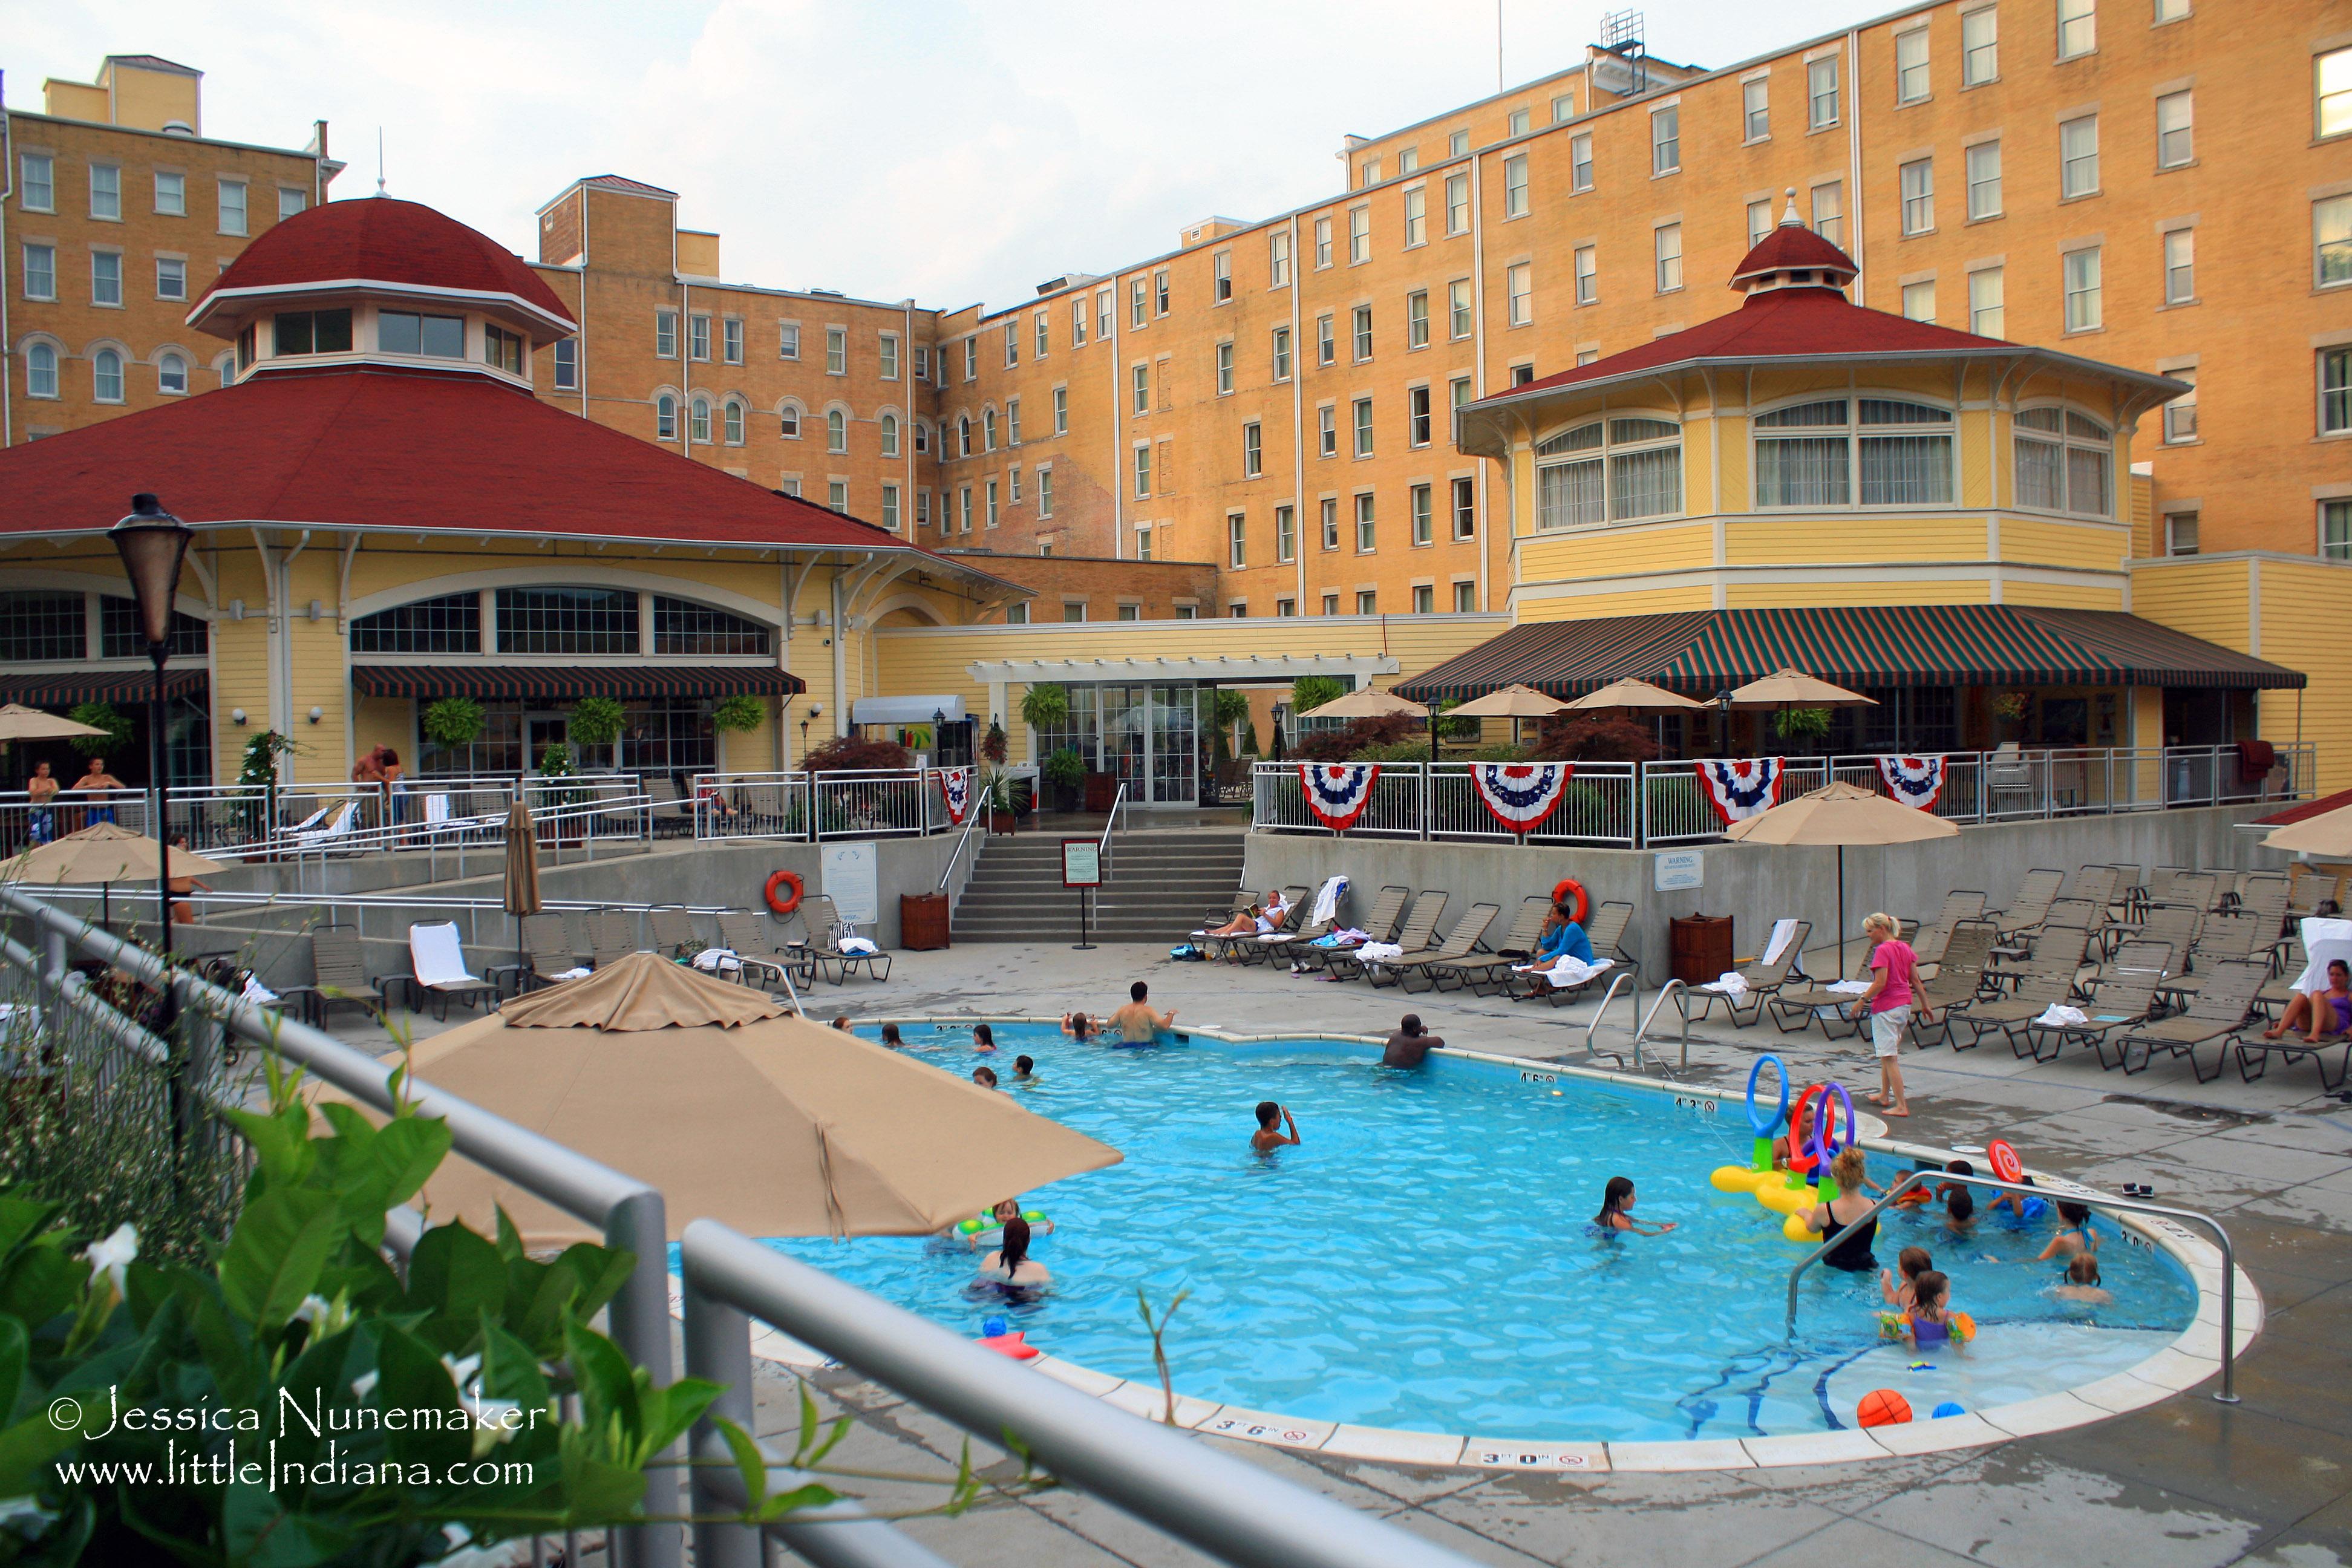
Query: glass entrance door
<point x="540" y="730"/>
<point x="1150" y="742"/>
<point x="1126" y="739"/>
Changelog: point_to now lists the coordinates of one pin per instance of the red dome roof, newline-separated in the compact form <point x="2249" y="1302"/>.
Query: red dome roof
<point x="1793" y="246"/>
<point x="377" y="239"/>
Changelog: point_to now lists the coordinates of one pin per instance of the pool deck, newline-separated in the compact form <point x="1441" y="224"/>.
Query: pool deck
<point x="2184" y="1482"/>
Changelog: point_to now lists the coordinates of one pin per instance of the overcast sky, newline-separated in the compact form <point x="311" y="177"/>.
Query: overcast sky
<point x="952" y="150"/>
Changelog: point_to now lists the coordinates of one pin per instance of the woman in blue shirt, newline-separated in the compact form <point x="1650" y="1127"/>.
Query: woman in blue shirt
<point x="1562" y="935"/>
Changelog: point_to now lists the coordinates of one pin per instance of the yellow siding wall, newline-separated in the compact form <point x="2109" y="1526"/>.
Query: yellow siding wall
<point x="1589" y="607"/>
<point x="2063" y="596"/>
<point x="2090" y="546"/>
<point x="1786" y="595"/>
<point x="1775" y="540"/>
<point x="2204" y="598"/>
<point x="2303" y="606"/>
<point x="1615" y="552"/>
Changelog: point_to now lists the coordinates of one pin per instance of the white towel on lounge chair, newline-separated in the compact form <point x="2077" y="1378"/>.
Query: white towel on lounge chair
<point x="1568" y="970"/>
<point x="439" y="959"/>
<point x="1848" y="987"/>
<point x="345" y="815"/>
<point x="1782" y="929"/>
<point x="2322" y="940"/>
<point x="2058" y="1015"/>
<point x="718" y="961"/>
<point x="857" y="945"/>
<point x="1373" y="952"/>
<point x="257" y="993"/>
<point x="1730" y="983"/>
<point x="1327" y="900"/>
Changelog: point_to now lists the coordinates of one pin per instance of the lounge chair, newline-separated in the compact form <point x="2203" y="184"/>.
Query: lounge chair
<point x="438" y="968"/>
<point x="1606" y="932"/>
<point x="2096" y="883"/>
<point x="1377" y="926"/>
<point x="1299" y="926"/>
<point x="611" y="936"/>
<point x="1468" y="932"/>
<point x="1822" y="1002"/>
<point x="2223" y="938"/>
<point x="337" y="972"/>
<point x="2253" y="1049"/>
<point x="1244" y="901"/>
<point x="760" y="948"/>
<point x="2025" y="912"/>
<point x="2125" y="999"/>
<point x="2141" y="956"/>
<point x="2068" y="924"/>
<point x="1954" y="984"/>
<point x="1240" y="945"/>
<point x="2036" y="990"/>
<point x="551" y="957"/>
<point x="1761" y="979"/>
<point x="2218" y="1010"/>
<point x="672" y="929"/>
<point x="2311" y="892"/>
<point x="1518" y="943"/>
<point x="826" y="930"/>
<point x="671" y="816"/>
<point x="1927" y="941"/>
<point x="1420" y="928"/>
<point x="337" y="827"/>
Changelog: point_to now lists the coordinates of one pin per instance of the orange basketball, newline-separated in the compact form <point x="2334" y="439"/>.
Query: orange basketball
<point x="1883" y="1407"/>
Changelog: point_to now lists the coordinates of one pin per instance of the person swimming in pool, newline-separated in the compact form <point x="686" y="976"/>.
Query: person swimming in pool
<point x="1011" y="1264"/>
<point x="984" y="1076"/>
<point x="2083" y="1282"/>
<point x="1411" y="1044"/>
<point x="842" y="1023"/>
<point x="1914" y="1261"/>
<point x="1267" y="1139"/>
<point x="1007" y="1210"/>
<point x="1928" y="1325"/>
<point x="1078" y="1026"/>
<point x="2076" y="1238"/>
<point x="983" y="1038"/>
<point x="1136" y="1023"/>
<point x="890" y="1037"/>
<point x="1842" y="1219"/>
<point x="1616" y="1198"/>
<point x="1025" y="1069"/>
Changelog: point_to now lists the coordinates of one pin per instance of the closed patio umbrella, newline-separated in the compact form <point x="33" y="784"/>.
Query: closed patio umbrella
<point x="103" y="853"/>
<point x="521" y="889"/>
<point x="1842" y="815"/>
<point x="737" y="1109"/>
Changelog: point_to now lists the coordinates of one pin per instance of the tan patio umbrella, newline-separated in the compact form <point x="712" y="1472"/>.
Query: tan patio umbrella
<point x="522" y="878"/>
<point x="2329" y="834"/>
<point x="1634" y="694"/>
<point x="1512" y="702"/>
<point x="18" y="722"/>
<point x="1789" y="687"/>
<point x="1367" y="703"/>
<point x="103" y="853"/>
<point x="1842" y="814"/>
<point x="736" y="1110"/>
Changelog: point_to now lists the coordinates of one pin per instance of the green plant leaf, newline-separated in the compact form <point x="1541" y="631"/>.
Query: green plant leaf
<point x="27" y="1446"/>
<point x="456" y="1276"/>
<point x="40" y="1283"/>
<point x="750" y="1463"/>
<point x="809" y="1496"/>
<point x="22" y="1219"/>
<point x="606" y="1384"/>
<point x="274" y="1256"/>
<point x="412" y="1379"/>
<point x="510" y="1370"/>
<point x="12" y="1366"/>
<point x="259" y="1534"/>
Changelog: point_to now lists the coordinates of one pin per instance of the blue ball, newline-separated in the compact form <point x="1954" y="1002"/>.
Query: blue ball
<point x="995" y="1326"/>
<point x="1949" y="1407"/>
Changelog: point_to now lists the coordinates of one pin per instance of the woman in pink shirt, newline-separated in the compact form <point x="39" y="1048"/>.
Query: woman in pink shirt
<point x="1894" y="977"/>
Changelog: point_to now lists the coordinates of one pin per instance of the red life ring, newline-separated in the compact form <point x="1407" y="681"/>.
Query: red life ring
<point x="1568" y="885"/>
<point x="788" y="879"/>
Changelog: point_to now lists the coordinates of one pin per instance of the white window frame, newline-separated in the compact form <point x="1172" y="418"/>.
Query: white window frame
<point x="2078" y="169"/>
<point x="2084" y="289"/>
<point x="1608" y="449"/>
<point x="1668" y="276"/>
<point x="1588" y="274"/>
<point x="1918" y="197"/>
<point x="2176" y="146"/>
<point x="1979" y="45"/>
<point x="1854" y="434"/>
<point x="1665" y="141"/>
<point x="1982" y="169"/>
<point x="1912" y="81"/>
<point x="1988" y="318"/>
<point x="1519" y="292"/>
<point x="1822" y="110"/>
<point x="1516" y="202"/>
<point x="2078" y="28"/>
<point x="2179" y="265"/>
<point x="1756" y="109"/>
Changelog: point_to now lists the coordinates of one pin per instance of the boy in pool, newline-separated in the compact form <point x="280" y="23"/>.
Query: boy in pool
<point x="1616" y="1199"/>
<point x="1025" y="1069"/>
<point x="1136" y="1023"/>
<point x="2083" y="1282"/>
<point x="2023" y="1209"/>
<point x="1007" y="1210"/>
<point x="2076" y="1238"/>
<point x="1266" y="1140"/>
<point x="1960" y="1211"/>
<point x="1914" y="1261"/>
<point x="1792" y="1142"/>
<point x="984" y="1076"/>
<point x="1957" y="1168"/>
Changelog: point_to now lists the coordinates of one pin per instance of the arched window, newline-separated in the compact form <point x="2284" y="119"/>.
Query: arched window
<point x="172" y="374"/>
<point x="2064" y="462"/>
<point x="224" y="369"/>
<point x="988" y="424"/>
<point x="963" y="434"/>
<point x="836" y="430"/>
<point x="733" y="412"/>
<point x="922" y="437"/>
<point x="1609" y="470"/>
<point x="1811" y="454"/>
<point x="790" y="418"/>
<point x="41" y="371"/>
<point x="106" y="375"/>
<point x="665" y="417"/>
<point x="889" y="434"/>
<point x="701" y="420"/>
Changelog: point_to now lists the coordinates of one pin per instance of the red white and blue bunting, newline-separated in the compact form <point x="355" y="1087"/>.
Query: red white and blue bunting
<point x="1738" y="791"/>
<point x="1914" y="781"/>
<point x="1520" y="796"/>
<point x="955" y="788"/>
<point x="1338" y="793"/>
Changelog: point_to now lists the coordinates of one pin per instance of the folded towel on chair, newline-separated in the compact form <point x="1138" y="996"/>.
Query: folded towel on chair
<point x="2058" y="1015"/>
<point x="718" y="961"/>
<point x="1730" y="983"/>
<point x="858" y="945"/>
<point x="1566" y="970"/>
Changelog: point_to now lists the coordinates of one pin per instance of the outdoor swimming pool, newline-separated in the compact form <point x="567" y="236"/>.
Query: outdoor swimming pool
<point x="1422" y="1259"/>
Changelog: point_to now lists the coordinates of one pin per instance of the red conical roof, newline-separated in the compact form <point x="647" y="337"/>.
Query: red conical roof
<point x="378" y="239"/>
<point x="1791" y="246"/>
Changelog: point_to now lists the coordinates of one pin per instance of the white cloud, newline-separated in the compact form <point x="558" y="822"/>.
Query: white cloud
<point x="952" y="149"/>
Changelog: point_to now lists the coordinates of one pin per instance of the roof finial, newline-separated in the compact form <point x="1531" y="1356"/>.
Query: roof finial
<point x="1790" y="217"/>
<point x="379" y="160"/>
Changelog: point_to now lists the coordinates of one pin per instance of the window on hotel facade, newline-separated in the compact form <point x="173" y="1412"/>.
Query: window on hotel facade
<point x="1327" y="431"/>
<point x="2064" y="462"/>
<point x="2078" y="157"/>
<point x="888" y="425"/>
<point x="836" y="430"/>
<point x="1979" y="45"/>
<point x="1359" y="235"/>
<point x="1580" y="162"/>
<point x="1061" y="411"/>
<point x="1457" y="204"/>
<point x="2180" y="414"/>
<point x="2180" y="267"/>
<point x="730" y="341"/>
<point x="41" y="271"/>
<point x="405" y="332"/>
<point x="1988" y="311"/>
<point x="121" y="635"/>
<point x="1919" y="300"/>
<point x="1822" y="91"/>
<point x="1253" y="450"/>
<point x="40" y="627"/>
<point x="665" y="417"/>
<point x="106" y="375"/>
<point x="1918" y="179"/>
<point x="502" y="350"/>
<point x="1810" y="455"/>
<point x="683" y="627"/>
<point x="171" y="374"/>
<point x="567" y="620"/>
<point x="1911" y="66"/>
<point x="730" y="416"/>
<point x="1759" y="222"/>
<point x="1984" y="180"/>
<point x="836" y="350"/>
<point x="1465" y="509"/>
<point x="567" y="364"/>
<point x="330" y="332"/>
<point x="1756" y="109"/>
<point x="451" y="623"/>
<point x="1416" y="216"/>
<point x="232" y="206"/>
<point x="2336" y="529"/>
<point x="1668" y="242"/>
<point x="1363" y="426"/>
<point x="697" y="336"/>
<point x="2176" y="131"/>
<point x="1829" y="211"/>
<point x="1666" y="140"/>
<point x="1363" y="332"/>
<point x="1609" y="469"/>
<point x="1519" y="293"/>
<point x="2331" y="242"/>
<point x="1367" y="524"/>
<point x="1285" y="533"/>
<point x="1041" y="334"/>
<point x="171" y="277"/>
<point x="1416" y="417"/>
<point x="1281" y="358"/>
<point x="698" y="420"/>
<point x="2084" y="290"/>
<point x="2180" y="532"/>
<point x="1236" y="540"/>
<point x="1515" y="186"/>
<point x="1224" y="369"/>
<point x="788" y="340"/>
<point x="36" y="188"/>
<point x="1277" y="260"/>
<point x="105" y="278"/>
<point x="666" y="334"/>
<point x="2336" y="392"/>
<point x="41" y="371"/>
<point x="2078" y="28"/>
<point x="2332" y="94"/>
<point x="1324" y="351"/>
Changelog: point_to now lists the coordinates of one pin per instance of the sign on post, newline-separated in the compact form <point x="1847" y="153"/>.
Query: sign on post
<point x="1082" y="869"/>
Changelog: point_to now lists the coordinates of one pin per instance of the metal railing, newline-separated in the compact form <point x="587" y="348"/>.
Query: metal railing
<point x="1237" y="1512"/>
<point x="1103" y="846"/>
<point x="24" y="825"/>
<point x="1631" y="805"/>
<point x="2229" y="1394"/>
<point x="873" y="803"/>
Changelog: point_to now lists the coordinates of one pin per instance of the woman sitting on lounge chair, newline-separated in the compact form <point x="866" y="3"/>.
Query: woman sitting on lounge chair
<point x="2320" y="1014"/>
<point x="1562" y="935"/>
<point x="1258" y="918"/>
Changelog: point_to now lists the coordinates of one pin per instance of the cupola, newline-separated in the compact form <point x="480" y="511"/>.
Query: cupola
<point x="382" y="281"/>
<point x="1793" y="257"/>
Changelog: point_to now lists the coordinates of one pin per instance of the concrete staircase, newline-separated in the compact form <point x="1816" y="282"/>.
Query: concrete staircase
<point x="1161" y="882"/>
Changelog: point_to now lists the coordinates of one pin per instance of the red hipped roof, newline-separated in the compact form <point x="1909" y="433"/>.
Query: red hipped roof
<point x="1791" y="246"/>
<point x="384" y="240"/>
<point x="402" y="451"/>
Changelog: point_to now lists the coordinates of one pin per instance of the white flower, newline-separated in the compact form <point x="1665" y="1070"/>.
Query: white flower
<point x="313" y="1307"/>
<point x="327" y="1318"/>
<point x="113" y="1256"/>
<point x="462" y="1373"/>
<point x="362" y="1382"/>
<point x="492" y="1424"/>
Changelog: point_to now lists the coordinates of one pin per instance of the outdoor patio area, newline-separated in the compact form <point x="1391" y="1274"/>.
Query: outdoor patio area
<point x="2185" y="1481"/>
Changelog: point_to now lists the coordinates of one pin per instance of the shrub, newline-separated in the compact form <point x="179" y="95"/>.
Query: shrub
<point x="1065" y="769"/>
<point x="1592" y="739"/>
<point x="454" y="722"/>
<point x="994" y="745"/>
<point x="1340" y="745"/>
<point x="1309" y="692"/>
<point x="260" y="768"/>
<point x="596" y="722"/>
<point x="105" y="717"/>
<point x="1045" y="706"/>
<point x="738" y="712"/>
<point x="1808" y="725"/>
<point x="856" y="753"/>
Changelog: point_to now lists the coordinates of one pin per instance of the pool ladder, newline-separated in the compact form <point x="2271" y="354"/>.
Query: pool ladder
<point x="1642" y="1062"/>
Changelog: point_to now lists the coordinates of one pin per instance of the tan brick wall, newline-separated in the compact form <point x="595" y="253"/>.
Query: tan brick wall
<point x="1100" y="586"/>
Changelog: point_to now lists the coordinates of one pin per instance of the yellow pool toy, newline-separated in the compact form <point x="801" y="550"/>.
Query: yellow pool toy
<point x="1785" y="1199"/>
<point x="1738" y="1178"/>
<point x="1795" y="1229"/>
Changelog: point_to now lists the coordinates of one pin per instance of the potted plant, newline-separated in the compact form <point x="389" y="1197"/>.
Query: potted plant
<point x="596" y="723"/>
<point x="2009" y="714"/>
<point x="1806" y="727"/>
<point x="257" y="775"/>
<point x="994" y="746"/>
<point x="555" y="762"/>
<point x="1045" y="706"/>
<point x="738" y="713"/>
<point x="1066" y="772"/>
<point x="996" y="798"/>
<point x="103" y="716"/>
<point x="454" y="723"/>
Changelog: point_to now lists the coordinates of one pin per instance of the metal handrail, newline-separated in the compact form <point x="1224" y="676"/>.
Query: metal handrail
<point x="1671" y="988"/>
<point x="1237" y="1511"/>
<point x="2229" y="1394"/>
<point x="629" y="1212"/>
<point x="975" y="815"/>
<point x="1592" y="1025"/>
<point x="389" y="901"/>
<point x="1102" y="845"/>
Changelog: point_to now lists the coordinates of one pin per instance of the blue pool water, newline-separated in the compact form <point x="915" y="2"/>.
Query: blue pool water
<point x="1422" y="1259"/>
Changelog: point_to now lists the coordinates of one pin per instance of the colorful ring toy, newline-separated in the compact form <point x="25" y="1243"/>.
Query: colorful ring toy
<point x="2005" y="1163"/>
<point x="1760" y="1125"/>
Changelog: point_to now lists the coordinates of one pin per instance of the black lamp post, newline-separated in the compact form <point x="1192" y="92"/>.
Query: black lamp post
<point x="154" y="544"/>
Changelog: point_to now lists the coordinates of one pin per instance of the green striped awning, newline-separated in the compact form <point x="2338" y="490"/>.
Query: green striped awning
<point x="563" y="683"/>
<point x="1701" y="653"/>
<point x="62" y="688"/>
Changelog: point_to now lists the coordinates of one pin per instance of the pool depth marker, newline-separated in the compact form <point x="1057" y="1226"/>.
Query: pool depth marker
<point x="1082" y="869"/>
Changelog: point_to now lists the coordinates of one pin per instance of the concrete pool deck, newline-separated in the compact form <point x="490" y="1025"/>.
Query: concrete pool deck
<point x="2181" y="1481"/>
